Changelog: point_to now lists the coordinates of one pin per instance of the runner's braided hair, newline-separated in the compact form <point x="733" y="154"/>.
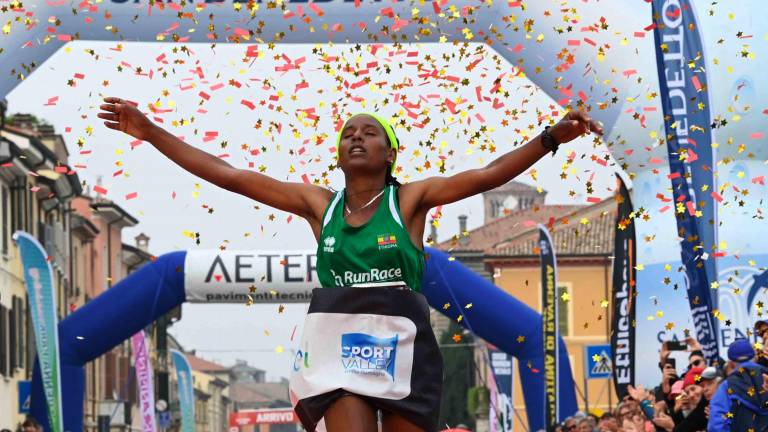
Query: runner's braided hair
<point x="389" y="179"/>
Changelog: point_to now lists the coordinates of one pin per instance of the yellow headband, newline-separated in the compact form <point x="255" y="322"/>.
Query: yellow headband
<point x="387" y="129"/>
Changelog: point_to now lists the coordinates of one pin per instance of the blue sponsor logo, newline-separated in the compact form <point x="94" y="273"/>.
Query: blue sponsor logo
<point x="364" y="354"/>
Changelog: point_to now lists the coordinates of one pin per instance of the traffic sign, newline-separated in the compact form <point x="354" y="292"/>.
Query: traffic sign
<point x="25" y="396"/>
<point x="598" y="361"/>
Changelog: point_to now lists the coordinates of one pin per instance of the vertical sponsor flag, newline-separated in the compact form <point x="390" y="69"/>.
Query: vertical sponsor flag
<point x="38" y="276"/>
<point x="549" y="325"/>
<point x="624" y="292"/>
<point x="501" y="366"/>
<point x="186" y="392"/>
<point x="144" y="378"/>
<point x="683" y="84"/>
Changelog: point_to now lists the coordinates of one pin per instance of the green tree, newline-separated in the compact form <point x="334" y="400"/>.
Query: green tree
<point x="458" y="377"/>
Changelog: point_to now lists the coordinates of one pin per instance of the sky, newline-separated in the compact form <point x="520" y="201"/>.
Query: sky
<point x="210" y="97"/>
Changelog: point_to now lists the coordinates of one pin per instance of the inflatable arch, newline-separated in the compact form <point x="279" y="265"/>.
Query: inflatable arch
<point x="205" y="276"/>
<point x="612" y="72"/>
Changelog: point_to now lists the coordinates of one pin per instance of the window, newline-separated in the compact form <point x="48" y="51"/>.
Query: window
<point x="563" y="311"/>
<point x="21" y="342"/>
<point x="12" y="339"/>
<point x="4" y="214"/>
<point x="4" y="341"/>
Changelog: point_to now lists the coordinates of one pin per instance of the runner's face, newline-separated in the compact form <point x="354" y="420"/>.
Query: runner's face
<point x="364" y="146"/>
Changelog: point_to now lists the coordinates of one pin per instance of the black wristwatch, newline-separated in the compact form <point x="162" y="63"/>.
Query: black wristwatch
<point x="548" y="141"/>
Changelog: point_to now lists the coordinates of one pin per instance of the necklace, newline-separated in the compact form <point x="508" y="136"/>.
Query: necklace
<point x="346" y="207"/>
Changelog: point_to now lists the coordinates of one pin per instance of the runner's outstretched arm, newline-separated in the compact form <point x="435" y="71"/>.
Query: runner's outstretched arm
<point x="307" y="201"/>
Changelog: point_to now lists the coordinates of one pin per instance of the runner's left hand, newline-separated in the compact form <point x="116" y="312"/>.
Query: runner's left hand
<point x="573" y="125"/>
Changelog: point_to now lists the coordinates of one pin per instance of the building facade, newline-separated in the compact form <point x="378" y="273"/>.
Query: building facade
<point x="36" y="190"/>
<point x="504" y="251"/>
<point x="40" y="194"/>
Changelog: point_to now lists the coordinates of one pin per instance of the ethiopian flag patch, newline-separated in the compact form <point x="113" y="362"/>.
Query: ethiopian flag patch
<point x="386" y="239"/>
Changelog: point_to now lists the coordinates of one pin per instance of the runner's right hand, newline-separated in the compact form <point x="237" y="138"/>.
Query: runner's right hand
<point x="124" y="116"/>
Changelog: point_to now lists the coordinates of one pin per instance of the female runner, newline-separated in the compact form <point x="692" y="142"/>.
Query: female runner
<point x="367" y="342"/>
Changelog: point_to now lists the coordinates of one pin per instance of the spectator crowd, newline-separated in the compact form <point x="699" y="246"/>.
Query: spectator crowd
<point x="727" y="396"/>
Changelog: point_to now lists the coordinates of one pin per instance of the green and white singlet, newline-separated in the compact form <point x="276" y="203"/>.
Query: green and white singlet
<point x="377" y="253"/>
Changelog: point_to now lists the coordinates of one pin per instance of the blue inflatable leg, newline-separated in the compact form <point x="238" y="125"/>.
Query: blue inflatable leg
<point x="123" y="310"/>
<point x="103" y="323"/>
<point x="499" y="318"/>
<point x="73" y="380"/>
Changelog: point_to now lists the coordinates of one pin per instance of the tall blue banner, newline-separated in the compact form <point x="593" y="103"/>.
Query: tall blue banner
<point x="502" y="408"/>
<point x="623" y="297"/>
<point x="38" y="276"/>
<point x="682" y="85"/>
<point x="549" y="321"/>
<point x="186" y="391"/>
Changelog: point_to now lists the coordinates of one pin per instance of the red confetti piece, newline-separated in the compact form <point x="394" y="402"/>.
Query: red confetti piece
<point x="593" y="199"/>
<point x="629" y="72"/>
<point x="692" y="156"/>
<point x="131" y="196"/>
<point x="248" y="103"/>
<point x="696" y="83"/>
<point x="316" y="9"/>
<point x="399" y="24"/>
<point x="717" y="197"/>
<point x="100" y="190"/>
<point x="756" y="135"/>
<point x="691" y="208"/>
<point x="759" y="180"/>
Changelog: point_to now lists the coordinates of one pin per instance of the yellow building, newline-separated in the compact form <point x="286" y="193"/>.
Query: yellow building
<point x="36" y="187"/>
<point x="504" y="250"/>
